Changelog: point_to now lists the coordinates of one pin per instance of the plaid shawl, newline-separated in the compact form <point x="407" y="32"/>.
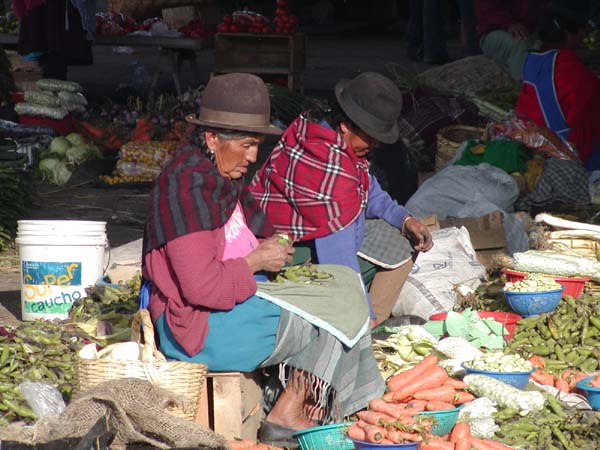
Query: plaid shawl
<point x="191" y="195"/>
<point x="311" y="185"/>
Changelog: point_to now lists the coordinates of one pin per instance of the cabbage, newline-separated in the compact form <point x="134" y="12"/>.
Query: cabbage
<point x="59" y="145"/>
<point x="60" y="174"/>
<point x="75" y="139"/>
<point x="77" y="154"/>
<point x="47" y="165"/>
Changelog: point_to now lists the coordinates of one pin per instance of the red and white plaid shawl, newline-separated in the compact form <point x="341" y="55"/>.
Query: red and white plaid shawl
<point x="312" y="184"/>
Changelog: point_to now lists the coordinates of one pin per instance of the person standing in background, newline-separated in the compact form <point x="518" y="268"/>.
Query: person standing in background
<point x="61" y="31"/>
<point x="505" y="28"/>
<point x="426" y="31"/>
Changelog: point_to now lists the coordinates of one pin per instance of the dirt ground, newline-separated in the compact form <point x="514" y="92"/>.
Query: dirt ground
<point x="329" y="58"/>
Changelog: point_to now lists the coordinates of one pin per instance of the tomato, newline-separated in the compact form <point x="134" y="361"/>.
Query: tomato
<point x="265" y="29"/>
<point x="227" y="19"/>
<point x="234" y="28"/>
<point x="281" y="3"/>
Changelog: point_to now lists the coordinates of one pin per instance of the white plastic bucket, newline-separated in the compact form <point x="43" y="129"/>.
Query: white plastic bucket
<point x="59" y="260"/>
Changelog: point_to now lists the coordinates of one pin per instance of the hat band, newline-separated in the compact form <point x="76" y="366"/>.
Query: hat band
<point x="361" y="117"/>
<point x="233" y="119"/>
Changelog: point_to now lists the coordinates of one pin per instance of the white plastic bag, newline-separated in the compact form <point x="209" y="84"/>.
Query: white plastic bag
<point x="42" y="398"/>
<point x="429" y="288"/>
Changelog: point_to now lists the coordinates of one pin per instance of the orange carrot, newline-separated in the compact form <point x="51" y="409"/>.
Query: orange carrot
<point x="436" y="444"/>
<point x="356" y="432"/>
<point x="561" y="385"/>
<point x="463" y="397"/>
<point x="434" y="377"/>
<point x="437" y="405"/>
<point x="375" y="418"/>
<point x="463" y="444"/>
<point x="407" y="377"/>
<point x="543" y="377"/>
<point x="417" y="404"/>
<point x="456" y="384"/>
<point x="488" y="444"/>
<point x="461" y="430"/>
<point x="391" y="409"/>
<point x="443" y="393"/>
<point x="388" y="397"/>
<point x="537" y="362"/>
<point x="400" y="437"/>
<point x="373" y="433"/>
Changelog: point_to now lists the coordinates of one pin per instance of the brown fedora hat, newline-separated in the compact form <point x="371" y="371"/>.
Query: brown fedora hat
<point x="236" y="101"/>
<point x="373" y="102"/>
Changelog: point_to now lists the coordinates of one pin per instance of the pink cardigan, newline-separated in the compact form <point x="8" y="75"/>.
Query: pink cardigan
<point x="190" y="280"/>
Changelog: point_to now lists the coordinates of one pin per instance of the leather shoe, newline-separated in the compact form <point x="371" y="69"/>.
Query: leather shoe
<point x="277" y="435"/>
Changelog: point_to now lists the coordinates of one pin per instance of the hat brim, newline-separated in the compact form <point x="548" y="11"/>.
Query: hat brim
<point x="271" y="129"/>
<point x="388" y="137"/>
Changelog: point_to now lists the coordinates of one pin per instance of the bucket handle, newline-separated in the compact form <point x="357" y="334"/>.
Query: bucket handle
<point x="107" y="246"/>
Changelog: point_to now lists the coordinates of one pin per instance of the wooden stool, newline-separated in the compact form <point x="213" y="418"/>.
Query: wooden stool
<point x="231" y="405"/>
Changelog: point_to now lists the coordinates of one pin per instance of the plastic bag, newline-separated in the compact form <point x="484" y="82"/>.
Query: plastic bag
<point x="43" y="398"/>
<point x="519" y="128"/>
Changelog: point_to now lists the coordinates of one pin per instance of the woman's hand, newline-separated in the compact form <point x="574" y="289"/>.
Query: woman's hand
<point x="270" y="255"/>
<point x="418" y="234"/>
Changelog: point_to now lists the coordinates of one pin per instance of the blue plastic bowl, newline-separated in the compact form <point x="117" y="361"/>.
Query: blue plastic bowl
<point x="361" y="445"/>
<point x="516" y="379"/>
<point x="444" y="421"/>
<point x="592" y="393"/>
<point x="533" y="303"/>
<point x="326" y="437"/>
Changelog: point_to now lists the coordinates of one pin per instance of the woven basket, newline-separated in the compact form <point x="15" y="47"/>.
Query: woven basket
<point x="449" y="139"/>
<point x="182" y="378"/>
<point x="143" y="9"/>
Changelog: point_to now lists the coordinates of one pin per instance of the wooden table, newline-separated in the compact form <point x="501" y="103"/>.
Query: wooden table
<point x="176" y="50"/>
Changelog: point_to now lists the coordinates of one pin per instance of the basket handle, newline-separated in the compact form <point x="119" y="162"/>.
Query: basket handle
<point x="142" y="320"/>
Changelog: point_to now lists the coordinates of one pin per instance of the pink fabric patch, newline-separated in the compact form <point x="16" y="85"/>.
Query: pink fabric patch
<point x="239" y="240"/>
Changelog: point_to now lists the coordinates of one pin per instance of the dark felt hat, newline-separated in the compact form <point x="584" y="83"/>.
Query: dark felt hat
<point x="236" y="101"/>
<point x="373" y="102"/>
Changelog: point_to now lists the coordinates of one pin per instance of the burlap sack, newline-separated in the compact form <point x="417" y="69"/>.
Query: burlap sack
<point x="138" y="413"/>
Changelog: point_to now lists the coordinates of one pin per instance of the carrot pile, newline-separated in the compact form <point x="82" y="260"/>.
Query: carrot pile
<point x="395" y="418"/>
<point x="565" y="382"/>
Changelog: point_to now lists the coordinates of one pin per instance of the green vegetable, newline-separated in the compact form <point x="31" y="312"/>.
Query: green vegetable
<point x="499" y="362"/>
<point x="69" y="97"/>
<point x="59" y="145"/>
<point x="60" y="174"/>
<point x="504" y="395"/>
<point x="77" y="154"/>
<point x="50" y="84"/>
<point x="39" y="110"/>
<point x="42" y="98"/>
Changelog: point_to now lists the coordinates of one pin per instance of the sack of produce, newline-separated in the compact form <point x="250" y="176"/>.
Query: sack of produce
<point x="50" y="84"/>
<point x="31" y="109"/>
<point x="42" y="98"/>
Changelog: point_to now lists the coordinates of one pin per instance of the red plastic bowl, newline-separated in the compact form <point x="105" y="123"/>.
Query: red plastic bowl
<point x="508" y="319"/>
<point x="572" y="286"/>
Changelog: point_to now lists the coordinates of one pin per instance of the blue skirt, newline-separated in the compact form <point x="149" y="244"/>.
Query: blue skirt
<point x="238" y="340"/>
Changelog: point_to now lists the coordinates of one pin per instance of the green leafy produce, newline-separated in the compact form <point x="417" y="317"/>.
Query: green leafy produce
<point x="59" y="145"/>
<point x="499" y="362"/>
<point x="77" y="154"/>
<point x="480" y="332"/>
<point x="75" y="139"/>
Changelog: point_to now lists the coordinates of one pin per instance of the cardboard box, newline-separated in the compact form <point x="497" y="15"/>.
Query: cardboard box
<point x="432" y="222"/>
<point x="487" y="235"/>
<point x="178" y="17"/>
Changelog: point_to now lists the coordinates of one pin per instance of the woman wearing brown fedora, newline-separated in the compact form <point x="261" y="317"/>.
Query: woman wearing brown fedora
<point x="201" y="254"/>
<point x="316" y="186"/>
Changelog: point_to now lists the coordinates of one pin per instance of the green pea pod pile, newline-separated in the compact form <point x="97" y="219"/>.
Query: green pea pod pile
<point x="302" y="273"/>
<point x="36" y="351"/>
<point x="556" y="427"/>
<point x="15" y="186"/>
<point x="567" y="338"/>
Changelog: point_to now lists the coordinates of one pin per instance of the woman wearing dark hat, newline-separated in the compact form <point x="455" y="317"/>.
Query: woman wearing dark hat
<point x="200" y="256"/>
<point x="316" y="186"/>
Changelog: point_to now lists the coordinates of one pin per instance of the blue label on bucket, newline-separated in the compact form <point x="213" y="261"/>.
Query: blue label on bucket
<point x="51" y="273"/>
